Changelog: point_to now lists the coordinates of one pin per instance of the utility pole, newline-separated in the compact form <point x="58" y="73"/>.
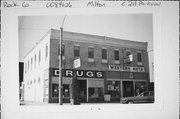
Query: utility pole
<point x="60" y="64"/>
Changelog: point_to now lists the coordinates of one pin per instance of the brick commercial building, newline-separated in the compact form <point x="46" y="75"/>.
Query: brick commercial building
<point x="109" y="66"/>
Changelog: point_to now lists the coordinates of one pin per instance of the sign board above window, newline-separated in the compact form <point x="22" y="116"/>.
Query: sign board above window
<point x="126" y="68"/>
<point x="79" y="73"/>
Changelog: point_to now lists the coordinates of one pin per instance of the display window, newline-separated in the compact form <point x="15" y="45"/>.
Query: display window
<point x="65" y="90"/>
<point x="140" y="87"/>
<point x="113" y="88"/>
<point x="95" y="88"/>
<point x="55" y="90"/>
<point x="95" y="92"/>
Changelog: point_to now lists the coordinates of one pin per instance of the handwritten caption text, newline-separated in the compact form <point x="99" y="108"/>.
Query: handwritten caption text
<point x="70" y="4"/>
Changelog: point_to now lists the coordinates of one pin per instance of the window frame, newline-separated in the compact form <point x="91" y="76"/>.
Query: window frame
<point x="46" y="55"/>
<point x="90" y="52"/>
<point x="35" y="58"/>
<point x="39" y="56"/>
<point x="76" y="51"/>
<point x="139" y="56"/>
<point x="116" y="56"/>
<point x="104" y="60"/>
<point x="139" y="62"/>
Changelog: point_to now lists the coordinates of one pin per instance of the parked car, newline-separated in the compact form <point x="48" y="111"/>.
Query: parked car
<point x="144" y="97"/>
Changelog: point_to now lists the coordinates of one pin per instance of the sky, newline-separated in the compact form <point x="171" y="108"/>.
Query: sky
<point x="135" y="27"/>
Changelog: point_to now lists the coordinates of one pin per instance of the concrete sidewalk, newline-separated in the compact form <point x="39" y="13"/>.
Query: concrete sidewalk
<point x="41" y="103"/>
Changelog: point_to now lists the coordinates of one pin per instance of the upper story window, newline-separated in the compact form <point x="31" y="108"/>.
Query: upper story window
<point x="28" y="64"/>
<point x="76" y="51"/>
<point x="35" y="60"/>
<point x="139" y="58"/>
<point x="39" y="56"/>
<point x="104" y="55"/>
<point x="25" y="67"/>
<point x="128" y="57"/>
<point x="31" y="63"/>
<point x="127" y="53"/>
<point x="91" y="54"/>
<point x="46" y="50"/>
<point x="116" y="56"/>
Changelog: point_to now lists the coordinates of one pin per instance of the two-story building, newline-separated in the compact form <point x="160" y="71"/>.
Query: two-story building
<point x="119" y="68"/>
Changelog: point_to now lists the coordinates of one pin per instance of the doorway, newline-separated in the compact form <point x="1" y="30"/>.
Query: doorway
<point x="83" y="90"/>
<point x="128" y="89"/>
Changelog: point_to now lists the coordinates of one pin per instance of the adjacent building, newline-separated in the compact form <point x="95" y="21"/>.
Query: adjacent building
<point x="108" y="66"/>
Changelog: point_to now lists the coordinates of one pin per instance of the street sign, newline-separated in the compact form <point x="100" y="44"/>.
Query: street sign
<point x="77" y="63"/>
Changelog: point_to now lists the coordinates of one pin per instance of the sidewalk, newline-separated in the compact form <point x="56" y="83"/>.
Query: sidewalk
<point x="36" y="103"/>
<point x="41" y="103"/>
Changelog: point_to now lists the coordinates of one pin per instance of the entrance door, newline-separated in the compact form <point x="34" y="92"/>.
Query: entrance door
<point x="128" y="89"/>
<point x="82" y="90"/>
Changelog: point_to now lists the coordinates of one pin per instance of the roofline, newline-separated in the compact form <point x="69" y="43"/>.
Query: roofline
<point x="104" y="38"/>
<point x="37" y="43"/>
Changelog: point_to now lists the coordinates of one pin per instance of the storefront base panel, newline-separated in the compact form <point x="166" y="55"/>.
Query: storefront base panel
<point x="54" y="100"/>
<point x="115" y="99"/>
<point x="65" y="100"/>
<point x="95" y="100"/>
<point x="90" y="100"/>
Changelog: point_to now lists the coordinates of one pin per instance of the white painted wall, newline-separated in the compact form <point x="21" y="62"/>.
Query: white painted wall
<point x="34" y="91"/>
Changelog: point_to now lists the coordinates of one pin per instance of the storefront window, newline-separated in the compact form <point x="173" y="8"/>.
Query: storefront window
<point x="66" y="90"/>
<point x="55" y="89"/>
<point x="140" y="87"/>
<point x="113" y="88"/>
<point x="95" y="92"/>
